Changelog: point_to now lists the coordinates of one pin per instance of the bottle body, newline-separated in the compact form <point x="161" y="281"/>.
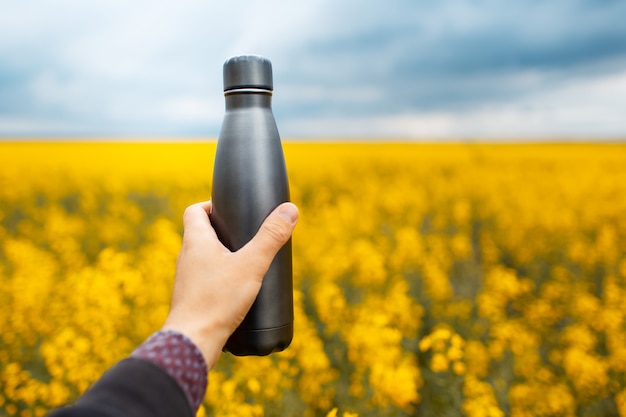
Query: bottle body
<point x="249" y="182"/>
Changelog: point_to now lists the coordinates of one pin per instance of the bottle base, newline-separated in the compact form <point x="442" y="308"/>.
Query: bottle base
<point x="260" y="342"/>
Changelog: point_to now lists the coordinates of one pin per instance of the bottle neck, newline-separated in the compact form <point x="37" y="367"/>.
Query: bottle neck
<point x="237" y="99"/>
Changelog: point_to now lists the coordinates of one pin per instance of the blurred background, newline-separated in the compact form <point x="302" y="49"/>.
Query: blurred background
<point x="462" y="69"/>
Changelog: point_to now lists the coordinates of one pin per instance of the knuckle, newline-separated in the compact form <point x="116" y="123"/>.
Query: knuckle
<point x="276" y="231"/>
<point x="188" y="212"/>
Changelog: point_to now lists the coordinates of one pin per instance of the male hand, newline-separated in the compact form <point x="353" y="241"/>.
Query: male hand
<point x="214" y="288"/>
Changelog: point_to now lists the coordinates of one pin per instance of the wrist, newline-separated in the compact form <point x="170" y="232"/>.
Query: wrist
<point x="207" y="340"/>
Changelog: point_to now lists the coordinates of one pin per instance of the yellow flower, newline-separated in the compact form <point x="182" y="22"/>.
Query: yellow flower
<point x="505" y="252"/>
<point x="459" y="368"/>
<point x="439" y="363"/>
<point x="332" y="413"/>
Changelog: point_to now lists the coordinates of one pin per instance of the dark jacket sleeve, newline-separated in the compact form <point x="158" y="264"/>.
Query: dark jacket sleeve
<point x="132" y="388"/>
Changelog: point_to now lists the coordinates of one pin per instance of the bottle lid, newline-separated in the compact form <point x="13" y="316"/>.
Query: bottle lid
<point x="248" y="71"/>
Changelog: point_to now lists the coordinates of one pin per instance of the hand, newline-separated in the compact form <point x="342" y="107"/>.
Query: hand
<point x="214" y="288"/>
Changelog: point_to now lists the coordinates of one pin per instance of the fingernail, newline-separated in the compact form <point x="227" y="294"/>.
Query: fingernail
<point x="289" y="212"/>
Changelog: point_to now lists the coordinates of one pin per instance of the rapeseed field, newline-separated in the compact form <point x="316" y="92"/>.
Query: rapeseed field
<point x="430" y="279"/>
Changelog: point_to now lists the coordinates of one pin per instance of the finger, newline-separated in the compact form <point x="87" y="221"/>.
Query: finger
<point x="197" y="224"/>
<point x="272" y="235"/>
<point x="207" y="206"/>
<point x="196" y="215"/>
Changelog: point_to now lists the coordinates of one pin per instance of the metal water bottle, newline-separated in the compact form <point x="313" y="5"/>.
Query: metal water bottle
<point x="249" y="182"/>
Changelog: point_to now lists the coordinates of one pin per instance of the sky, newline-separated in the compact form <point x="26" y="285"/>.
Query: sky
<point x="403" y="69"/>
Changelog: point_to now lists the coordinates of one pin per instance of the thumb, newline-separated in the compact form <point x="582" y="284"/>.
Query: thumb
<point x="272" y="235"/>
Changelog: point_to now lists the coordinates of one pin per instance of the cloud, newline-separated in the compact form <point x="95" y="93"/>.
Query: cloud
<point x="579" y="110"/>
<point x="154" y="68"/>
<point x="458" y="53"/>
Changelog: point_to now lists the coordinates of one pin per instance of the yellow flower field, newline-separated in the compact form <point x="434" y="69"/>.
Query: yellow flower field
<point x="430" y="280"/>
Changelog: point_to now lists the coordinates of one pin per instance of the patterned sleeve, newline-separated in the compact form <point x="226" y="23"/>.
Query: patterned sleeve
<point x="181" y="359"/>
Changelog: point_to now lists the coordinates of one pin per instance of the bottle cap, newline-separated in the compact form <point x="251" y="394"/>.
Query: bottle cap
<point x="248" y="71"/>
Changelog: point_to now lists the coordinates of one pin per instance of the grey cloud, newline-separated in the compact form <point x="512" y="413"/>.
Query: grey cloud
<point x="453" y="56"/>
<point x="144" y="68"/>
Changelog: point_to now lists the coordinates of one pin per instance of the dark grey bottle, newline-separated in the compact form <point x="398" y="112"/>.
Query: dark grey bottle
<point x="249" y="182"/>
